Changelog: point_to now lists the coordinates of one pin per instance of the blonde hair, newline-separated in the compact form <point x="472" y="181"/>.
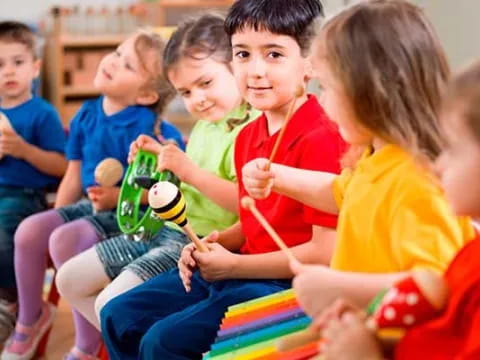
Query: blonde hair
<point x="463" y="94"/>
<point x="393" y="69"/>
<point x="148" y="41"/>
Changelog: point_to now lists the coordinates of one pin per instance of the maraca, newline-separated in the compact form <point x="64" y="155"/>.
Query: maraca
<point x="108" y="172"/>
<point x="168" y="203"/>
<point x="5" y="125"/>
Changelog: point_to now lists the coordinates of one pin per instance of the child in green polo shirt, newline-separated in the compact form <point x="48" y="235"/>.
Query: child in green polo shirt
<point x="196" y="61"/>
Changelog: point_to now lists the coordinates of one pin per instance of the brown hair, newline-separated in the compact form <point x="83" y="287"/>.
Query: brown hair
<point x="146" y="42"/>
<point x="393" y="69"/>
<point x="463" y="94"/>
<point x="14" y="31"/>
<point x="200" y="38"/>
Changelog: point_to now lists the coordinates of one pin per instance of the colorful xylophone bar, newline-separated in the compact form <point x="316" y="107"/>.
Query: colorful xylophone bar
<point x="250" y="330"/>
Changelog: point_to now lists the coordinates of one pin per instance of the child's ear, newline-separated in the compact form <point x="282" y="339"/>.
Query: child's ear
<point x="147" y="98"/>
<point x="37" y="65"/>
<point x="308" y="68"/>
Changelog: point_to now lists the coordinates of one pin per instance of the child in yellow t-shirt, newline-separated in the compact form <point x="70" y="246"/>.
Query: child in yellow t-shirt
<point x="382" y="87"/>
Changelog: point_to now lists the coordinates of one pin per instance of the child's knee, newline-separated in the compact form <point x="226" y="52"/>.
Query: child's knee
<point x="25" y="234"/>
<point x="65" y="280"/>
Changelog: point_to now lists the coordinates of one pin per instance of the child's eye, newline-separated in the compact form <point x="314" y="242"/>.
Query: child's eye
<point x="206" y="83"/>
<point x="242" y="54"/>
<point x="129" y="67"/>
<point x="19" y="62"/>
<point x="274" y="55"/>
<point x="185" y="94"/>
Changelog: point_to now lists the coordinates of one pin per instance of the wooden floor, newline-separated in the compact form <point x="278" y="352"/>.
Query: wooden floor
<point x="61" y="337"/>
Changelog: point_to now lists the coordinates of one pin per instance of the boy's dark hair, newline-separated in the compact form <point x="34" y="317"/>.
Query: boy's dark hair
<point x="15" y="31"/>
<point x="284" y="17"/>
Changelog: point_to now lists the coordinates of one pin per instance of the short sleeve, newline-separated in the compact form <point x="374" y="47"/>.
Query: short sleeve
<point x="75" y="136"/>
<point x="229" y="163"/>
<point x="321" y="152"/>
<point x="426" y="234"/>
<point x="340" y="184"/>
<point x="50" y="134"/>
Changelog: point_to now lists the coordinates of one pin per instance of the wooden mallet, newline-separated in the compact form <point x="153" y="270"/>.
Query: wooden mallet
<point x="249" y="204"/>
<point x="5" y="125"/>
<point x="299" y="91"/>
<point x="168" y="203"/>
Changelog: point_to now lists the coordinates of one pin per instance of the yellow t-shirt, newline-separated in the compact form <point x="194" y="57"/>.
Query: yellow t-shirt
<point x="394" y="217"/>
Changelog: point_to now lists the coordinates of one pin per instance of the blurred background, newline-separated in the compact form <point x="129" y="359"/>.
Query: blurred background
<point x="77" y="33"/>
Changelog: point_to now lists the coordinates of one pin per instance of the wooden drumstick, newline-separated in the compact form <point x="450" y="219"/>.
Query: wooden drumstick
<point x="298" y="93"/>
<point x="168" y="203"/>
<point x="248" y="203"/>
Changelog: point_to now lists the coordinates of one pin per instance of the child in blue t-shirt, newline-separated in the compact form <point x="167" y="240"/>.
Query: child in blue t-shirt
<point x="134" y="92"/>
<point x="32" y="143"/>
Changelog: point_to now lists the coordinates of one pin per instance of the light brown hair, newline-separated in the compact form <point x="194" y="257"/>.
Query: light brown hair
<point x="147" y="43"/>
<point x="393" y="69"/>
<point x="17" y="32"/>
<point x="463" y="94"/>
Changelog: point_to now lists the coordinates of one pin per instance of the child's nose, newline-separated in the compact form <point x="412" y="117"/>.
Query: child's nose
<point x="258" y="68"/>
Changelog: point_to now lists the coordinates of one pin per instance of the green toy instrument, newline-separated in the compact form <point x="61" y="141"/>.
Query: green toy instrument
<point x="141" y="174"/>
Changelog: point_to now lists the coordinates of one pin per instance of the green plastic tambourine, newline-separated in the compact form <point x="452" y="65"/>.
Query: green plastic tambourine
<point x="141" y="174"/>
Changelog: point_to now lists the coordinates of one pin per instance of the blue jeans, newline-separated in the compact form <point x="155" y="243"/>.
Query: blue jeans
<point x="16" y="204"/>
<point x="158" y="320"/>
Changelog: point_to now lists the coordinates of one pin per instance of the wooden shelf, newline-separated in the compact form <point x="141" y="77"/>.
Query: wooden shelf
<point x="80" y="91"/>
<point x="82" y="41"/>
<point x="194" y="3"/>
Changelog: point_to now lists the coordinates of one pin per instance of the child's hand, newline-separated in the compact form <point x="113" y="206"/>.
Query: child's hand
<point x="314" y="287"/>
<point x="258" y="181"/>
<point x="13" y="144"/>
<point x="103" y="197"/>
<point x="348" y="338"/>
<point x="146" y="143"/>
<point x="186" y="266"/>
<point x="174" y="159"/>
<point x="335" y="311"/>
<point x="217" y="263"/>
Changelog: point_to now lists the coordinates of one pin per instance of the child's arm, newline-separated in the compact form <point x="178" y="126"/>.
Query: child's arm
<point x="49" y="162"/>
<point x="223" y="192"/>
<point x="220" y="263"/>
<point x="313" y="188"/>
<point x="70" y="189"/>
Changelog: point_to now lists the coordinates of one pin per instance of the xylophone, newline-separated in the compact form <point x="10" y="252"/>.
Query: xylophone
<point x="260" y="328"/>
<point x="251" y="330"/>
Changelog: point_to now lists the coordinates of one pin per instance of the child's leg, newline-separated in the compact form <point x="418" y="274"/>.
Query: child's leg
<point x="80" y="280"/>
<point x="66" y="242"/>
<point x="31" y="251"/>
<point x="175" y="325"/>
<point x="126" y="281"/>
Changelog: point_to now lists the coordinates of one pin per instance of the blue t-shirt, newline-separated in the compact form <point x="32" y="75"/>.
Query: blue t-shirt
<point x="95" y="136"/>
<point x="170" y="132"/>
<point x="38" y="123"/>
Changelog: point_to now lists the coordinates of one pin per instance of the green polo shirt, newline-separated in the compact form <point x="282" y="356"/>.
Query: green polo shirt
<point x="211" y="146"/>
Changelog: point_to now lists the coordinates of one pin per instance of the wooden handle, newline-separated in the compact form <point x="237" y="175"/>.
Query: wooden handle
<point x="249" y="203"/>
<point x="297" y="339"/>
<point x="192" y="236"/>
<point x="298" y="93"/>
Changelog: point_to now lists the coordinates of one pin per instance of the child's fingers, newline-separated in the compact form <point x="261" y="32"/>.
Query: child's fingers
<point x="212" y="237"/>
<point x="296" y="267"/>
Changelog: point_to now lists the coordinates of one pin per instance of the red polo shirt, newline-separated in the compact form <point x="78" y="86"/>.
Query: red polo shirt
<point x="455" y="334"/>
<point x="311" y="141"/>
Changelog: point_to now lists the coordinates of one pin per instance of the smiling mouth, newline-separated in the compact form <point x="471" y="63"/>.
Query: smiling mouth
<point x="207" y="109"/>
<point x="258" y="88"/>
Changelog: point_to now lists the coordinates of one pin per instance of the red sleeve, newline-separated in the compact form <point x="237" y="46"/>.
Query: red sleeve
<point x="322" y="151"/>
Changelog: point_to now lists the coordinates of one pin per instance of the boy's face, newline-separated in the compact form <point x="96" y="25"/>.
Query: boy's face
<point x="18" y="68"/>
<point x="206" y="86"/>
<point x="121" y="75"/>
<point x="459" y="165"/>
<point x="268" y="68"/>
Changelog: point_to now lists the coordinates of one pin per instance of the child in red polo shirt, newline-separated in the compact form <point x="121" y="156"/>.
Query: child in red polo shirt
<point x="243" y="261"/>
<point x="455" y="334"/>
